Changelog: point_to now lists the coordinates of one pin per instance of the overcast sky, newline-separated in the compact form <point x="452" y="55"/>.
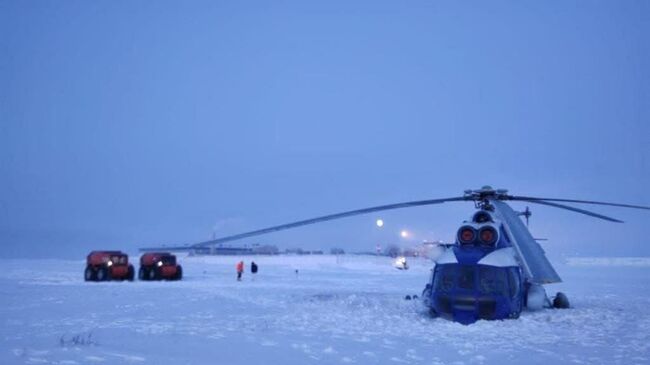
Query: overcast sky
<point x="130" y="124"/>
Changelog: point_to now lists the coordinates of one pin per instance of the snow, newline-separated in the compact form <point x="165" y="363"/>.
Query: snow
<point x="345" y="310"/>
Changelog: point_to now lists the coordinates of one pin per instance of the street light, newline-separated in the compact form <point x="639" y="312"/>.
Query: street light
<point x="404" y="234"/>
<point x="380" y="223"/>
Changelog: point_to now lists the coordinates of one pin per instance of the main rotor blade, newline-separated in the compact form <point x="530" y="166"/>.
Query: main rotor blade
<point x="573" y="209"/>
<point x="529" y="198"/>
<point x="328" y="218"/>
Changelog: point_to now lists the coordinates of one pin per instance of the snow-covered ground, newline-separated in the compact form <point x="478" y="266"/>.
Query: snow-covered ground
<point x="335" y="310"/>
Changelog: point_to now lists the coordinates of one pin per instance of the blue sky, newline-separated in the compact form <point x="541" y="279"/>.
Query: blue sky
<point x="128" y="124"/>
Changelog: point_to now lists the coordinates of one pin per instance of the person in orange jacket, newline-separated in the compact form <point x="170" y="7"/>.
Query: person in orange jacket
<point x="240" y="270"/>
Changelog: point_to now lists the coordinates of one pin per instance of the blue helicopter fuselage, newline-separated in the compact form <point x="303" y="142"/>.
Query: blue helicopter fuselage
<point x="477" y="279"/>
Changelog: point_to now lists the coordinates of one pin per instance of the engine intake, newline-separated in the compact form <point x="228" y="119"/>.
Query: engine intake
<point x="467" y="235"/>
<point x="488" y="236"/>
<point x="482" y="217"/>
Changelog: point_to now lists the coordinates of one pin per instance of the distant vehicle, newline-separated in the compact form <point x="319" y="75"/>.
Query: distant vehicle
<point x="401" y="263"/>
<point x="159" y="266"/>
<point x="108" y="265"/>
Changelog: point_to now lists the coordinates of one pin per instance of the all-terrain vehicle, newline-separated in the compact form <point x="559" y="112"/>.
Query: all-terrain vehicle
<point x="108" y="265"/>
<point x="159" y="266"/>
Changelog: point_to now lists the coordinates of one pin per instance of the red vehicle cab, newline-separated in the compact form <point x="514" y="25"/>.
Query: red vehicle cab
<point x="158" y="266"/>
<point x="108" y="265"/>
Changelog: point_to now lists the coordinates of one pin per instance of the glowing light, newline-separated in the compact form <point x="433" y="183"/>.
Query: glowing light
<point x="160" y="263"/>
<point x="380" y="223"/>
<point x="404" y="234"/>
<point x="400" y="263"/>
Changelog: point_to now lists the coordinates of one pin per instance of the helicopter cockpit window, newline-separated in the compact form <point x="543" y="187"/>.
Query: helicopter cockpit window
<point x="466" y="277"/>
<point x="445" y="279"/>
<point x="449" y="277"/>
<point x="513" y="281"/>
<point x="493" y="281"/>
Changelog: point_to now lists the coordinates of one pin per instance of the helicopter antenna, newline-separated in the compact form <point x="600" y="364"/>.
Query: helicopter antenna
<point x="526" y="213"/>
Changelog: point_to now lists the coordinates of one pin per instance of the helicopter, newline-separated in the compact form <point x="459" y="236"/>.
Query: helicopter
<point x="495" y="268"/>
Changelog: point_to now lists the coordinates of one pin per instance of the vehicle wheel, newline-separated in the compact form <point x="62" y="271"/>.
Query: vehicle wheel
<point x="130" y="274"/>
<point x="561" y="301"/>
<point x="89" y="274"/>
<point x="102" y="274"/>
<point x="142" y="274"/>
<point x="179" y="273"/>
<point x="153" y="275"/>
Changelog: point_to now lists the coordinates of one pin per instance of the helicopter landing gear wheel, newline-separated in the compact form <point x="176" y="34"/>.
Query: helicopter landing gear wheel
<point x="561" y="301"/>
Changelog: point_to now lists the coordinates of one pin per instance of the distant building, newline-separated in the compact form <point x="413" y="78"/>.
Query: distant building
<point x="255" y="249"/>
<point x="393" y="251"/>
<point x="294" y="251"/>
<point x="221" y="251"/>
<point x="300" y="251"/>
<point x="265" y="250"/>
<point x="337" y="251"/>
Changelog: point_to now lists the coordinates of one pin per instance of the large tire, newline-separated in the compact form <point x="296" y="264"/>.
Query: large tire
<point x="89" y="274"/>
<point x="179" y="273"/>
<point x="130" y="274"/>
<point x="536" y="298"/>
<point x="561" y="301"/>
<point x="142" y="273"/>
<point x="103" y="274"/>
<point x="153" y="274"/>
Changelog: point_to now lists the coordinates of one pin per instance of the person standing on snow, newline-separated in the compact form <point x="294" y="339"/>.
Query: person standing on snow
<point x="240" y="270"/>
<point x="253" y="269"/>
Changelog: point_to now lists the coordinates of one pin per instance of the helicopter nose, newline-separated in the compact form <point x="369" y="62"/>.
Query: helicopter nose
<point x="467" y="309"/>
<point x="464" y="310"/>
<point x="465" y="317"/>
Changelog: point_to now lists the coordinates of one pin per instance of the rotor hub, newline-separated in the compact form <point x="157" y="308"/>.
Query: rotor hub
<point x="484" y="195"/>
